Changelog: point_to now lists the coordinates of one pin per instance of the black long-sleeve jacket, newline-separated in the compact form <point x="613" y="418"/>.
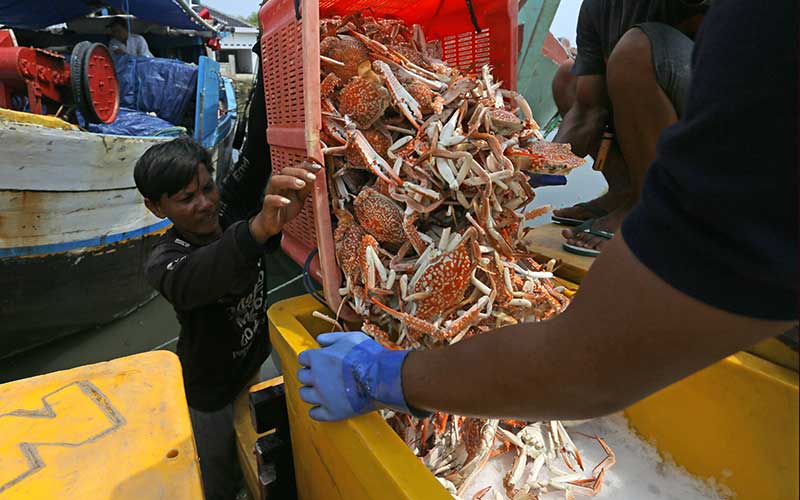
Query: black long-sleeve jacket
<point x="218" y="290"/>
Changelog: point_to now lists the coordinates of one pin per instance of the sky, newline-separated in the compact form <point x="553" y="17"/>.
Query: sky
<point x="563" y="23"/>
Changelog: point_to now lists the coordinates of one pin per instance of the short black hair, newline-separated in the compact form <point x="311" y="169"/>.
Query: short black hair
<point x="168" y="167"/>
<point x="118" y="21"/>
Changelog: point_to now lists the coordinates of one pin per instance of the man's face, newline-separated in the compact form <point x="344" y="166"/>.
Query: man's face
<point x="194" y="209"/>
<point x="120" y="33"/>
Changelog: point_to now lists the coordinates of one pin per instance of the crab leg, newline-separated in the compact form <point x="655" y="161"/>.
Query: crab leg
<point x="467" y="319"/>
<point x="332" y="61"/>
<point x="412" y="322"/>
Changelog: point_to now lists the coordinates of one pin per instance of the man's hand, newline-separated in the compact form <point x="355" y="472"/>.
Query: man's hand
<point x="285" y="195"/>
<point x="119" y="51"/>
<point x="350" y="375"/>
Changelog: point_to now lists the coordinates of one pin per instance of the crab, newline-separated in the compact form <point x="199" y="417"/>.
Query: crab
<point x="363" y="100"/>
<point x="504" y="122"/>
<point x="446" y="277"/>
<point x="429" y="101"/>
<point x="379" y="142"/>
<point x="345" y="50"/>
<point x="380" y="216"/>
<point x="545" y="157"/>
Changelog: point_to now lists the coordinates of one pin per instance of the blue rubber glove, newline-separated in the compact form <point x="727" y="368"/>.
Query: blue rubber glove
<point x="539" y="180"/>
<point x="351" y="374"/>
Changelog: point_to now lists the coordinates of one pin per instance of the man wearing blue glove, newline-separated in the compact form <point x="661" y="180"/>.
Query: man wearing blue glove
<point x="697" y="273"/>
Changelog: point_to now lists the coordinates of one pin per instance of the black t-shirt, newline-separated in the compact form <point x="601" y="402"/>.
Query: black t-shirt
<point x="218" y="290"/>
<point x="601" y="23"/>
<point x="718" y="217"/>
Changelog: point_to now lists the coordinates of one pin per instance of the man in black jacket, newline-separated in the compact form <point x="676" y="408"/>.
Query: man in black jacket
<point x="210" y="266"/>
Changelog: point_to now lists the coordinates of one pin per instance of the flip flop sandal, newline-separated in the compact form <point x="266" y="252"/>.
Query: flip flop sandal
<point x="589" y="207"/>
<point x="586" y="227"/>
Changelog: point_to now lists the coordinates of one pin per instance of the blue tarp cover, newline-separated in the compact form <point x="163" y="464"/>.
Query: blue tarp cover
<point x="165" y="87"/>
<point x="37" y="14"/>
<point x="131" y="122"/>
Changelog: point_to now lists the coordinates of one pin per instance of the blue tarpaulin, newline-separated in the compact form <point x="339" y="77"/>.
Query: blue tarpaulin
<point x="132" y="122"/>
<point x="165" y="87"/>
<point x="37" y="14"/>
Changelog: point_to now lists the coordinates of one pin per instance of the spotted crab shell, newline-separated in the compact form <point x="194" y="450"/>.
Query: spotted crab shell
<point x="347" y="238"/>
<point x="412" y="55"/>
<point x="557" y="158"/>
<point x="363" y="100"/>
<point x="447" y="277"/>
<point x="504" y="121"/>
<point x="345" y="49"/>
<point x="429" y="101"/>
<point x="380" y="216"/>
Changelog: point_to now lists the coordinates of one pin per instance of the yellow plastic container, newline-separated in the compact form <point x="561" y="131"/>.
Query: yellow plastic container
<point x="115" y="430"/>
<point x="360" y="458"/>
<point x="735" y="422"/>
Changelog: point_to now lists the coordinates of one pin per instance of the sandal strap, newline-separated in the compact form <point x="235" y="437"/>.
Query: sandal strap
<point x="594" y="209"/>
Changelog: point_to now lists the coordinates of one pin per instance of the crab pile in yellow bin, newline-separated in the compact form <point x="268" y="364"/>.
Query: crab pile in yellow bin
<point x="428" y="169"/>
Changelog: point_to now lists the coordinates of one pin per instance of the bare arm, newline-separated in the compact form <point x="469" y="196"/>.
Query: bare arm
<point x="607" y="351"/>
<point x="583" y="124"/>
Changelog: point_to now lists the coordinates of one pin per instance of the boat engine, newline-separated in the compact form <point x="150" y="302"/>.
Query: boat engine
<point x="88" y="80"/>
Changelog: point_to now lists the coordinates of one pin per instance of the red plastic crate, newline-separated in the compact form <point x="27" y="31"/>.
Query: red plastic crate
<point x="291" y="68"/>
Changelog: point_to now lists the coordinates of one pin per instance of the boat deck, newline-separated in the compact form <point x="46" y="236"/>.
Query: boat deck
<point x="545" y="242"/>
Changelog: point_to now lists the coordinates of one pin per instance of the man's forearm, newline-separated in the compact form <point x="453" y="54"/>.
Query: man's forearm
<point x="582" y="128"/>
<point x="605" y="352"/>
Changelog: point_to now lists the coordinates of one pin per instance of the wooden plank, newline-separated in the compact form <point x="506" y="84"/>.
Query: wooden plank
<point x="545" y="242"/>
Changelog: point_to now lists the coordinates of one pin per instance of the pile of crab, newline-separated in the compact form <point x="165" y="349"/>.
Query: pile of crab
<point x="428" y="169"/>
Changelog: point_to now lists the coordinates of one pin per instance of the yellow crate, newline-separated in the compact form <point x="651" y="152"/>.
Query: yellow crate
<point x="115" y="430"/>
<point x="735" y="422"/>
<point x="360" y="458"/>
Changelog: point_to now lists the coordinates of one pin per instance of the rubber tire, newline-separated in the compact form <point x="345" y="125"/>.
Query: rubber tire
<point x="76" y="73"/>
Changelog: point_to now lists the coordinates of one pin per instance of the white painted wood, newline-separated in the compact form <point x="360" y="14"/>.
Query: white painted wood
<point x="38" y="158"/>
<point x="30" y="218"/>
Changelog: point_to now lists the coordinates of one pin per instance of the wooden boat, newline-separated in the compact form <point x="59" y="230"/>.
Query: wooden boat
<point x="74" y="232"/>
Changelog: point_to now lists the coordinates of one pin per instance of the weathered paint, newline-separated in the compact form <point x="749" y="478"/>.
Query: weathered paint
<point x="34" y="218"/>
<point x="53" y="295"/>
<point x="44" y="159"/>
<point x="114" y="430"/>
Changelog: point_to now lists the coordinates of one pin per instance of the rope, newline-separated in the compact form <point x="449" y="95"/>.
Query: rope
<point x="126" y="7"/>
<point x="307" y="283"/>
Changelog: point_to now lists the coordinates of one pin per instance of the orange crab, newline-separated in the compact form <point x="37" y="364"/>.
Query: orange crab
<point x="380" y="216"/>
<point x="363" y="100"/>
<point x="544" y="156"/>
<point x="345" y="50"/>
<point x="379" y="142"/>
<point x="429" y="101"/>
<point x="447" y="277"/>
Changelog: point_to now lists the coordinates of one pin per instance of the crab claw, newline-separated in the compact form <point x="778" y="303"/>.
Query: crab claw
<point x="402" y="99"/>
<point x="376" y="164"/>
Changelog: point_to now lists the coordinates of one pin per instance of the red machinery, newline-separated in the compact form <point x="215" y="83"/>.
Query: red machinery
<point x="88" y="80"/>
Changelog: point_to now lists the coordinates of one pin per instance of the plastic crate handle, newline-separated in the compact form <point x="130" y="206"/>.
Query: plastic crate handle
<point x="297" y="9"/>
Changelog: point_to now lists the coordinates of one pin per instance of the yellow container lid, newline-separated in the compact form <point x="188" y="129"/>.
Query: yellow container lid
<point x="118" y="429"/>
